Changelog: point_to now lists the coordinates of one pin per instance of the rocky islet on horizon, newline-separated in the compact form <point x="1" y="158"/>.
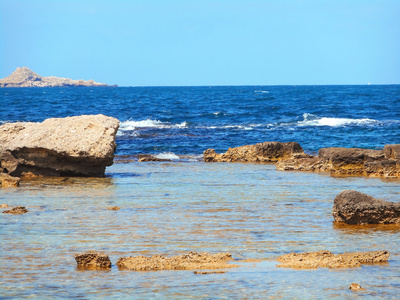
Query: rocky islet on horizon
<point x="24" y="77"/>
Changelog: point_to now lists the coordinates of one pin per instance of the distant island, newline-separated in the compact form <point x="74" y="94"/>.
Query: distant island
<point x="24" y="77"/>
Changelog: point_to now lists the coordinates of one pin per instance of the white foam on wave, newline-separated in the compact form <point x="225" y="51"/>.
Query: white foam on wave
<point x="238" y="127"/>
<point x="131" y="125"/>
<point x="167" y="155"/>
<point x="266" y="92"/>
<point x="312" y="120"/>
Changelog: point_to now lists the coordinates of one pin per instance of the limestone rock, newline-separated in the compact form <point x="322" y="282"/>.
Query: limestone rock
<point x="8" y="181"/>
<point x="353" y="207"/>
<point x="189" y="261"/>
<point x="16" y="210"/>
<point x="24" y="77"/>
<point x="261" y="152"/>
<point x="325" y="259"/>
<point x="93" y="261"/>
<point x="355" y="287"/>
<point x="147" y="157"/>
<point x="72" y="146"/>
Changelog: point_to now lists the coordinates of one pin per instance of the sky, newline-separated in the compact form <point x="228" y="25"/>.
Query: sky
<point x="202" y="42"/>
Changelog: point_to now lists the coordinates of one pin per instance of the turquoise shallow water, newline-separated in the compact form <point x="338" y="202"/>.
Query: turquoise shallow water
<point x="249" y="210"/>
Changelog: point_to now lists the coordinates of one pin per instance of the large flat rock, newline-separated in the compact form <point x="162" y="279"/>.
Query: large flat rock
<point x="72" y="146"/>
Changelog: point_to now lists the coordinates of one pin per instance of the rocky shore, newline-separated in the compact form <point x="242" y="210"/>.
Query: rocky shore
<point x="24" y="77"/>
<point x="336" y="160"/>
<point x="72" y="146"/>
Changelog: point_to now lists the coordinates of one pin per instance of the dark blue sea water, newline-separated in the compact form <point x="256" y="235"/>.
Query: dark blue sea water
<point x="188" y="120"/>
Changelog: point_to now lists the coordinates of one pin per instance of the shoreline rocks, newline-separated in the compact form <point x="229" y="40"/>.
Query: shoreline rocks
<point x="93" y="261"/>
<point x="8" y="180"/>
<point x="352" y="207"/>
<point x="71" y="146"/>
<point x="188" y="261"/>
<point x="325" y="259"/>
<point x="261" y="152"/>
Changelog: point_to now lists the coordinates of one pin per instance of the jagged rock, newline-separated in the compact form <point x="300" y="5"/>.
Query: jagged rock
<point x="24" y="77"/>
<point x="189" y="261"/>
<point x="348" y="162"/>
<point x="8" y="181"/>
<point x="261" y="152"/>
<point x="355" y="287"/>
<point x="353" y="207"/>
<point x="113" y="208"/>
<point x="93" y="261"/>
<point x="72" y="146"/>
<point x="325" y="259"/>
<point x="16" y="210"/>
<point x="147" y="157"/>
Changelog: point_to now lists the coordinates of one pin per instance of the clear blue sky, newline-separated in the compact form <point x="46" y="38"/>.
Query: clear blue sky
<point x="202" y="42"/>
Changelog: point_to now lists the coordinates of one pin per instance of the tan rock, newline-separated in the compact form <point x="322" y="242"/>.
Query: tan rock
<point x="261" y="152"/>
<point x="93" y="261"/>
<point x="16" y="210"/>
<point x="325" y="259"/>
<point x="4" y="205"/>
<point x="8" y="181"/>
<point x="189" y="261"/>
<point x="113" y="208"/>
<point x="355" y="287"/>
<point x="72" y="146"/>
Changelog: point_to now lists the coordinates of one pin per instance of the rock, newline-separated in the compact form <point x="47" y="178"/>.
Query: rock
<point x="16" y="210"/>
<point x="352" y="207"/>
<point x="355" y="287"/>
<point x="72" y="146"/>
<point x="3" y="205"/>
<point x="8" y="181"/>
<point x="147" y="157"/>
<point x="24" y="77"/>
<point x="325" y="259"/>
<point x="113" y="208"/>
<point x="189" y="261"/>
<point x="348" y="162"/>
<point x="93" y="261"/>
<point x="261" y="152"/>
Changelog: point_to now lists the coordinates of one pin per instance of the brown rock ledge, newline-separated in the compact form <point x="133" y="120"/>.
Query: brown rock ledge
<point x="188" y="261"/>
<point x="325" y="259"/>
<point x="93" y="261"/>
<point x="16" y="210"/>
<point x="8" y="181"/>
<point x="353" y="207"/>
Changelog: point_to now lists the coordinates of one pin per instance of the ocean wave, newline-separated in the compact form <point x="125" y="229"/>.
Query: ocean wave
<point x="313" y="120"/>
<point x="131" y="125"/>
<point x="167" y="155"/>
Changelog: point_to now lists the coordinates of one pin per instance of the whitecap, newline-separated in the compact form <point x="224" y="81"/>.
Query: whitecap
<point x="313" y="120"/>
<point x="167" y="155"/>
<point x="149" y="123"/>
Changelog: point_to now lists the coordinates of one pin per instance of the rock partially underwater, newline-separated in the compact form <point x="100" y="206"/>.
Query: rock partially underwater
<point x="352" y="207"/>
<point x="72" y="146"/>
<point x="93" y="261"/>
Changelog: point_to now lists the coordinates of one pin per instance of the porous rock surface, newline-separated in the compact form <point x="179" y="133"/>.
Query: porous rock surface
<point x="340" y="161"/>
<point x="24" y="77"/>
<point x="326" y="259"/>
<point x="93" y="261"/>
<point x="353" y="207"/>
<point x="8" y="181"/>
<point x="188" y="261"/>
<point x="261" y="152"/>
<point x="16" y="210"/>
<point x="72" y="146"/>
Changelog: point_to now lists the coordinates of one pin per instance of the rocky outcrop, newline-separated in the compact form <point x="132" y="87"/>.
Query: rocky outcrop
<point x="8" y="181"/>
<point x="352" y="207"/>
<point x="261" y="152"/>
<point x="349" y="162"/>
<point x="189" y="261"/>
<point x="93" y="261"/>
<point x="24" y="77"/>
<point x="16" y="210"/>
<point x="72" y="146"/>
<point x="325" y="259"/>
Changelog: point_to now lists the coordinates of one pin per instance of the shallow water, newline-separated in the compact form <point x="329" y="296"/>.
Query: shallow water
<point x="249" y="210"/>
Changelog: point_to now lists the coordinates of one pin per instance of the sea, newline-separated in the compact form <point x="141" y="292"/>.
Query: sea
<point x="250" y="210"/>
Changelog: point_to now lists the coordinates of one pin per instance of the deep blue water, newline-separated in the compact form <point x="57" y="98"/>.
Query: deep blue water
<point x="188" y="120"/>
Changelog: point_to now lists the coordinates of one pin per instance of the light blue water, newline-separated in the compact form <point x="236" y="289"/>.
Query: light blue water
<point x="249" y="210"/>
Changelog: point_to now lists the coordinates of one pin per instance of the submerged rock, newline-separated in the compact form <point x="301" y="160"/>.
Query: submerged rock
<point x="261" y="152"/>
<point x="189" y="261"/>
<point x="148" y="157"/>
<point x="8" y="181"/>
<point x="16" y="210"/>
<point x="325" y="259"/>
<point x="72" y="146"/>
<point x="93" y="261"/>
<point x="353" y="207"/>
<point x="355" y="287"/>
